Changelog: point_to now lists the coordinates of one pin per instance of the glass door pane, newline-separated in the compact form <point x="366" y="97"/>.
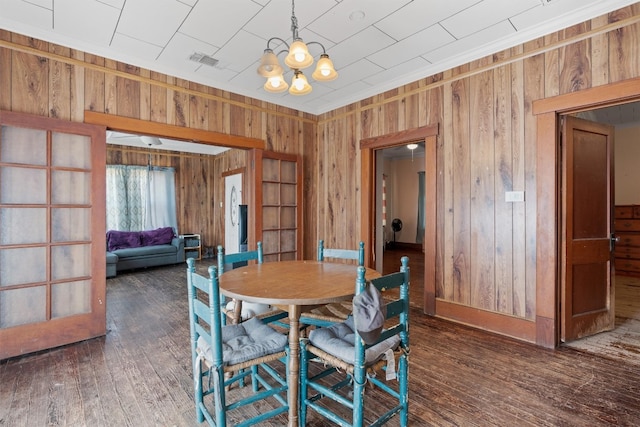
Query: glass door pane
<point x="52" y="274"/>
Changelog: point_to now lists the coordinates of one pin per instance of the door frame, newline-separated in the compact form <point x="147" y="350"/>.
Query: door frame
<point x="368" y="146"/>
<point x="549" y="197"/>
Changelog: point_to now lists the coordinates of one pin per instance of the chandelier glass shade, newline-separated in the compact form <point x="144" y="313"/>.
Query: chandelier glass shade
<point x="297" y="58"/>
<point x="276" y="84"/>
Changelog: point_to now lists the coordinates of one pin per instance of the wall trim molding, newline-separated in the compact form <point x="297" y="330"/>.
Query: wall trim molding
<point x="143" y="79"/>
<point x="328" y="117"/>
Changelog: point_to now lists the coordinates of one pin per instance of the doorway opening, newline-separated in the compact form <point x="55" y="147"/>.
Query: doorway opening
<point x="622" y="340"/>
<point x="399" y="200"/>
<point x="550" y="260"/>
<point x="372" y="231"/>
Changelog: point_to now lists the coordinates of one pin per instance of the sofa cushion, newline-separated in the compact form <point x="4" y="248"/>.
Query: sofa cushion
<point x="159" y="236"/>
<point x="146" y="251"/>
<point x="122" y="239"/>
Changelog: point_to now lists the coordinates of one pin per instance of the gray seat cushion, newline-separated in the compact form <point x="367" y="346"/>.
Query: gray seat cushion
<point x="146" y="251"/>
<point x="246" y="341"/>
<point x="339" y="341"/>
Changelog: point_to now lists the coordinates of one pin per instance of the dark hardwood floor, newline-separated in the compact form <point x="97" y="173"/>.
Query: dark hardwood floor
<point x="139" y="374"/>
<point x="391" y="262"/>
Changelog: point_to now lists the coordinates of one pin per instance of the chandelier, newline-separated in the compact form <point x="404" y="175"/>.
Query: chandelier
<point x="298" y="58"/>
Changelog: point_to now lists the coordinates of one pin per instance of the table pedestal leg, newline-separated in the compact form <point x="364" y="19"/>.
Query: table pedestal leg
<point x="294" y="363"/>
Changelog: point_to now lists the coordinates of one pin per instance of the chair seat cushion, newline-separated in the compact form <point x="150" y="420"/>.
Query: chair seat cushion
<point x="339" y="341"/>
<point x="246" y="341"/>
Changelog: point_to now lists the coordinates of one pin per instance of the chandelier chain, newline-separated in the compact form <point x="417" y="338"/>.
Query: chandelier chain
<point x="294" y="20"/>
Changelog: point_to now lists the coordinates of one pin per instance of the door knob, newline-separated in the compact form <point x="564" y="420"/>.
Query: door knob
<point x="612" y="242"/>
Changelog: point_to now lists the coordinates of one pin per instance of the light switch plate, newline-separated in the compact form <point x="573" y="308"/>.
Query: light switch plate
<point x="514" y="196"/>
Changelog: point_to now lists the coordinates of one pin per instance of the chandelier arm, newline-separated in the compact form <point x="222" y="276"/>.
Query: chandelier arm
<point x="280" y="40"/>
<point x="318" y="43"/>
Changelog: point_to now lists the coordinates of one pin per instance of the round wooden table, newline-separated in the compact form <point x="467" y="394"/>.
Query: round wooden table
<point x="292" y="284"/>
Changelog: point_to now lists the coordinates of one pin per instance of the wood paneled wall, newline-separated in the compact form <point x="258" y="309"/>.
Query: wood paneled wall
<point x="197" y="191"/>
<point x="486" y="248"/>
<point x="49" y="80"/>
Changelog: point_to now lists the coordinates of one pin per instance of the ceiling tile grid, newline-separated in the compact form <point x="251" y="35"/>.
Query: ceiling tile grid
<point x="376" y="45"/>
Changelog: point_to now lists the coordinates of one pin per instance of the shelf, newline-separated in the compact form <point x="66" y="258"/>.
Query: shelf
<point x="192" y="246"/>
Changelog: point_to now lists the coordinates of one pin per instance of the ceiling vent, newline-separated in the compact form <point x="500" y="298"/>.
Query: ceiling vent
<point x="203" y="59"/>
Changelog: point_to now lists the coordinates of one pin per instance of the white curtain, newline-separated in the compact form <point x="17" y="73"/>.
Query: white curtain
<point x="161" y="203"/>
<point x="421" y="199"/>
<point x="140" y="198"/>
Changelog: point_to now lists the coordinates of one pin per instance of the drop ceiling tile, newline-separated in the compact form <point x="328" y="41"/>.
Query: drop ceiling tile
<point x="411" y="47"/>
<point x="47" y="4"/>
<point x="274" y="19"/>
<point x="310" y="38"/>
<point x="353" y="73"/>
<point x="337" y="25"/>
<point x="484" y="14"/>
<point x="181" y="47"/>
<point x="353" y="91"/>
<point x="161" y="20"/>
<point x="418" y="15"/>
<point x="221" y="76"/>
<point x="90" y="21"/>
<point x="217" y="22"/>
<point x="119" y="4"/>
<point x="235" y="51"/>
<point x="469" y="48"/>
<point x="136" y="49"/>
<point x="568" y="12"/>
<point x="366" y="42"/>
<point x="390" y="75"/>
<point x="22" y="12"/>
<point x="249" y="78"/>
<point x="319" y="90"/>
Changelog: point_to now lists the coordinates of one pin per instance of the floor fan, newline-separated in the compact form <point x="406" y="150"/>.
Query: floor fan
<point x="396" y="225"/>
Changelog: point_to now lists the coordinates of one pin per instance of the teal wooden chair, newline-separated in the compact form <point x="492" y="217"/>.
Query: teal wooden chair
<point x="235" y="310"/>
<point x="332" y="253"/>
<point x="224" y="355"/>
<point x="232" y="310"/>
<point x="348" y="355"/>
<point x="329" y="314"/>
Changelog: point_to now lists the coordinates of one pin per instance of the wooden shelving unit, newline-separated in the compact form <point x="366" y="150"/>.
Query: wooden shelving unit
<point x="192" y="246"/>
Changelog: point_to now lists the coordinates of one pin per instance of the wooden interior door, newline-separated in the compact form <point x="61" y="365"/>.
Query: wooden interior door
<point x="277" y="199"/>
<point x="52" y="233"/>
<point x="587" y="300"/>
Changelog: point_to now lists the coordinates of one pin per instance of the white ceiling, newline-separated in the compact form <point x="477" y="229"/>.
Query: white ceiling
<point x="152" y="142"/>
<point x="395" y="42"/>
